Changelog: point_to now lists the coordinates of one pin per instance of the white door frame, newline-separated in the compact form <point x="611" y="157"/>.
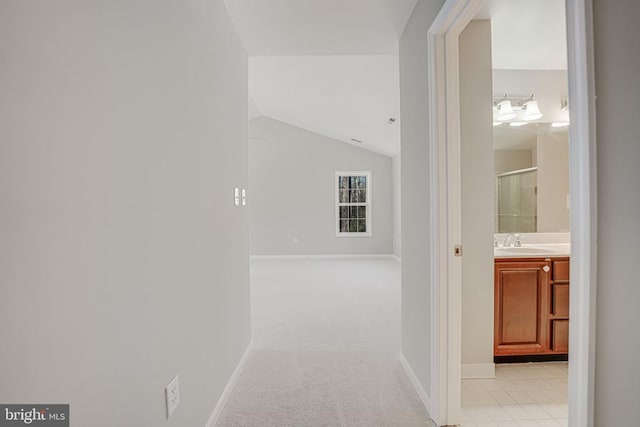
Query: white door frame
<point x="446" y="212"/>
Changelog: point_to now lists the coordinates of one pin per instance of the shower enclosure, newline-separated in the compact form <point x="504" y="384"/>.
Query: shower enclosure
<point x="517" y="210"/>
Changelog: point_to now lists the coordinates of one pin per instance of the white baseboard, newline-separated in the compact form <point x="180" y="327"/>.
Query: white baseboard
<point x="422" y="394"/>
<point x="319" y="257"/>
<point x="478" y="370"/>
<point x="224" y="397"/>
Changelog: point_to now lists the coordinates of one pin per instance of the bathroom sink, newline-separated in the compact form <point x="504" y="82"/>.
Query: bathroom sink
<point x="533" y="250"/>
<point x="525" y="249"/>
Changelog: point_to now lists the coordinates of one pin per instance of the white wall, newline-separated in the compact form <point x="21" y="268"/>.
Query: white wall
<point x="122" y="259"/>
<point x="553" y="182"/>
<point x="512" y="160"/>
<point x="396" y="178"/>
<point x="478" y="199"/>
<point x="292" y="197"/>
<point x="416" y="323"/>
<point x="618" y="347"/>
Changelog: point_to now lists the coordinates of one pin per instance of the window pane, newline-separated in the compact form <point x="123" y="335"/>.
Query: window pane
<point x="344" y="196"/>
<point x="344" y="212"/>
<point x="352" y="190"/>
<point x="343" y="182"/>
<point x="353" y="182"/>
<point x="359" y="196"/>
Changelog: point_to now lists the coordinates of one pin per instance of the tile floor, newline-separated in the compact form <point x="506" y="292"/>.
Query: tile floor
<point x="521" y="395"/>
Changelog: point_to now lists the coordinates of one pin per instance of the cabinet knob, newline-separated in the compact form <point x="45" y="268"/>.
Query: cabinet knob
<point x="546" y="269"/>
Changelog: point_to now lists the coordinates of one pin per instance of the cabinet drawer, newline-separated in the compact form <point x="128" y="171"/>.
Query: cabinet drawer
<point x="561" y="271"/>
<point x="560" y="300"/>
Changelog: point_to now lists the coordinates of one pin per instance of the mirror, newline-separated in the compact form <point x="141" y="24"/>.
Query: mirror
<point x="532" y="178"/>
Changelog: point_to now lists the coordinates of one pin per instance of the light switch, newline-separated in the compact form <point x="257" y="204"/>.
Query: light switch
<point x="244" y="197"/>
<point x="172" y="395"/>
<point x="236" y="196"/>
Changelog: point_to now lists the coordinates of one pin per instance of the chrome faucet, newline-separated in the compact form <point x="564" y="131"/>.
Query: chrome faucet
<point x="515" y="244"/>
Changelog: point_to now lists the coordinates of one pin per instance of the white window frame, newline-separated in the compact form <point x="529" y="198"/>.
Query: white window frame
<point x="369" y="205"/>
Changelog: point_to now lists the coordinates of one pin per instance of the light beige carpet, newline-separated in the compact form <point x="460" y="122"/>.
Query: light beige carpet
<point x="326" y="337"/>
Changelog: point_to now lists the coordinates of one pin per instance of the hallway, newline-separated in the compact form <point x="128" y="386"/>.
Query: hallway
<point x="326" y="341"/>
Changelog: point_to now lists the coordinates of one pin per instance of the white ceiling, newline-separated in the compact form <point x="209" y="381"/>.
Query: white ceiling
<point x="320" y="27"/>
<point x="339" y="96"/>
<point x="331" y="66"/>
<point x="527" y="34"/>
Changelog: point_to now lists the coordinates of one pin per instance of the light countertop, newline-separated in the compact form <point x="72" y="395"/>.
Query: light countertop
<point x="542" y="250"/>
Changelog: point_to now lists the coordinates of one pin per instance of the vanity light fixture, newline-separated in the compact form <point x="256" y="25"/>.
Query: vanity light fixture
<point x="560" y="124"/>
<point x="531" y="110"/>
<point x="505" y="111"/>
<point x="521" y="108"/>
<point x="497" y="124"/>
<point x="518" y="124"/>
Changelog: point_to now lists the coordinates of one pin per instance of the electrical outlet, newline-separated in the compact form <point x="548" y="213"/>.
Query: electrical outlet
<point x="172" y="395"/>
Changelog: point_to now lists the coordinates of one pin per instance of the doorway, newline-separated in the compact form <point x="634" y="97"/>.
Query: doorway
<point x="446" y="208"/>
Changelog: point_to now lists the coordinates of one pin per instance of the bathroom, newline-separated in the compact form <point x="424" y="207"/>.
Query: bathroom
<point x="515" y="268"/>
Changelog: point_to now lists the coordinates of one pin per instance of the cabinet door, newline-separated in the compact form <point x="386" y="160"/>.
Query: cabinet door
<point x="560" y="336"/>
<point x="520" y="315"/>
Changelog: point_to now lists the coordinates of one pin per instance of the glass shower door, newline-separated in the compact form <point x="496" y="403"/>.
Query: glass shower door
<point x="517" y="210"/>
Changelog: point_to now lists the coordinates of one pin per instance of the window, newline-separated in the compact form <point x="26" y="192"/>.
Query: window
<point x="353" y="204"/>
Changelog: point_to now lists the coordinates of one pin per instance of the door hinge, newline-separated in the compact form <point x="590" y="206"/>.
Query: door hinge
<point x="457" y="250"/>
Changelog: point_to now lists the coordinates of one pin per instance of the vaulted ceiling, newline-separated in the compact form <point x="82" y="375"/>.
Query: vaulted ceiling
<point x="320" y="27"/>
<point x="343" y="97"/>
<point x="331" y="66"/>
<point x="328" y="66"/>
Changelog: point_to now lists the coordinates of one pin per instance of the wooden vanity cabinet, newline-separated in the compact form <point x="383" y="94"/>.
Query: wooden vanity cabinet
<point x="559" y="306"/>
<point x="531" y="306"/>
